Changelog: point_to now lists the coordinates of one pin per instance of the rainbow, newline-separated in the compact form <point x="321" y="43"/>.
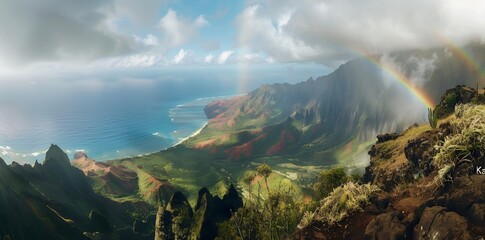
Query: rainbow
<point x="402" y="79"/>
<point x="465" y="57"/>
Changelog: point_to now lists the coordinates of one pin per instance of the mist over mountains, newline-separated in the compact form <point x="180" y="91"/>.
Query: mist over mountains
<point x="306" y="123"/>
<point x="360" y="92"/>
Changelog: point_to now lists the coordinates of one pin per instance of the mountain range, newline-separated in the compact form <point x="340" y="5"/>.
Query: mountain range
<point x="299" y="130"/>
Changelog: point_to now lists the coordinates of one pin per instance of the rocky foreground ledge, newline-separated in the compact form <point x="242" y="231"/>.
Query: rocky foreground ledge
<point x="432" y="183"/>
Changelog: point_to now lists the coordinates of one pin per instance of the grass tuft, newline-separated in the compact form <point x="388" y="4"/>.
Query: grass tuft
<point x="466" y="144"/>
<point x="342" y="201"/>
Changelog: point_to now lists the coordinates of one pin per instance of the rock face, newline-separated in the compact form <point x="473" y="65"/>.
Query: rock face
<point x="413" y="204"/>
<point x="56" y="158"/>
<point x="54" y="200"/>
<point x="163" y="225"/>
<point x="466" y="191"/>
<point x="25" y="213"/>
<point x="387" y="226"/>
<point x="438" y="223"/>
<point x="177" y="221"/>
<point x="476" y="214"/>
<point x="354" y="101"/>
<point x="206" y="214"/>
<point x="386" y="137"/>
<point x="232" y="200"/>
<point x="457" y="95"/>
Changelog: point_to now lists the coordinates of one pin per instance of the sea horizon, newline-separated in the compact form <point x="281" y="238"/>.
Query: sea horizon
<point x="117" y="115"/>
<point x="179" y="116"/>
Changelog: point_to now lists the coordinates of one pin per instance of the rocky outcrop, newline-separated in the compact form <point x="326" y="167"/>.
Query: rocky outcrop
<point x="206" y="215"/>
<point x="439" y="223"/>
<point x="458" y="95"/>
<point x="232" y="200"/>
<point x="25" y="212"/>
<point x="476" y="214"/>
<point x="387" y="226"/>
<point x="173" y="221"/>
<point x="54" y="200"/>
<point x="56" y="158"/>
<point x="386" y="137"/>
<point x="414" y="204"/>
<point x="177" y="221"/>
<point x="163" y="225"/>
<point x="466" y="191"/>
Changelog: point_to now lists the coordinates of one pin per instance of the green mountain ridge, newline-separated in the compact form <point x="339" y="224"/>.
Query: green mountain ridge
<point x="54" y="200"/>
<point x="356" y="101"/>
<point x="303" y="128"/>
<point x="299" y="130"/>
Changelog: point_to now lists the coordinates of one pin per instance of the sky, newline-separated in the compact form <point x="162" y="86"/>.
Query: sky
<point x="68" y="35"/>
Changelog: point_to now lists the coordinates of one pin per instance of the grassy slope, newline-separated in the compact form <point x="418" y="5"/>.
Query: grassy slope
<point x="189" y="169"/>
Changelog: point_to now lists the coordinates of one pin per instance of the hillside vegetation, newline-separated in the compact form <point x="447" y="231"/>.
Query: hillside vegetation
<point x="429" y="179"/>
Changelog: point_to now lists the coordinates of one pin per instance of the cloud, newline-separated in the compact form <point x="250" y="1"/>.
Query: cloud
<point x="258" y="33"/>
<point x="149" y="40"/>
<point x="254" y="58"/>
<point x="54" y="30"/>
<point x="310" y="30"/>
<point x="69" y="33"/>
<point x="209" y="58"/>
<point x="179" y="58"/>
<point x="140" y="14"/>
<point x="137" y="60"/>
<point x="223" y="57"/>
<point x="177" y="31"/>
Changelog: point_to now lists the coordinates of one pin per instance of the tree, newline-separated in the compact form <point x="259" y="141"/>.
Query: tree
<point x="277" y="218"/>
<point x="328" y="180"/>
<point x="264" y="170"/>
<point x="248" y="179"/>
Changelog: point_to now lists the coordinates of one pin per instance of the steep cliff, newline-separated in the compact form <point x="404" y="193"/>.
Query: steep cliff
<point x="176" y="220"/>
<point x="54" y="200"/>
<point x="358" y="100"/>
<point x="430" y="183"/>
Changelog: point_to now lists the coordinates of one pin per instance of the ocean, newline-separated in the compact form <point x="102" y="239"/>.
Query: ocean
<point x="116" y="114"/>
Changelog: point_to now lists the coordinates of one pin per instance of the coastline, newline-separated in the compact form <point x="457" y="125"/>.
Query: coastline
<point x="25" y="158"/>
<point x="186" y="138"/>
<point x="150" y="153"/>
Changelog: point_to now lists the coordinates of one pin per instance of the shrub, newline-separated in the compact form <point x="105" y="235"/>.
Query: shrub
<point x="276" y="218"/>
<point x="466" y="144"/>
<point x="342" y="201"/>
<point x="451" y="99"/>
<point x="328" y="180"/>
<point x="432" y="118"/>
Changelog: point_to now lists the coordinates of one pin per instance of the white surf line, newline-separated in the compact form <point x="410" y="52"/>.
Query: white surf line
<point x="191" y="135"/>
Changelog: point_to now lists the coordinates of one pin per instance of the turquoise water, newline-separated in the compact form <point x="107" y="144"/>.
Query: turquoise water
<point x="111" y="115"/>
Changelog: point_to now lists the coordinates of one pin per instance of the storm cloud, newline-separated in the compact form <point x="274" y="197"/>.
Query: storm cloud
<point x="52" y="30"/>
<point x="331" y="30"/>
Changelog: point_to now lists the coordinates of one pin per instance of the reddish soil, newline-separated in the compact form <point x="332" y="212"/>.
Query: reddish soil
<point x="245" y="150"/>
<point x="229" y="111"/>
<point x="285" y="139"/>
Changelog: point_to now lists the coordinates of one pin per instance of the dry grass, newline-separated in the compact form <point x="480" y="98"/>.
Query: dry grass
<point x="342" y="201"/>
<point x="467" y="143"/>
